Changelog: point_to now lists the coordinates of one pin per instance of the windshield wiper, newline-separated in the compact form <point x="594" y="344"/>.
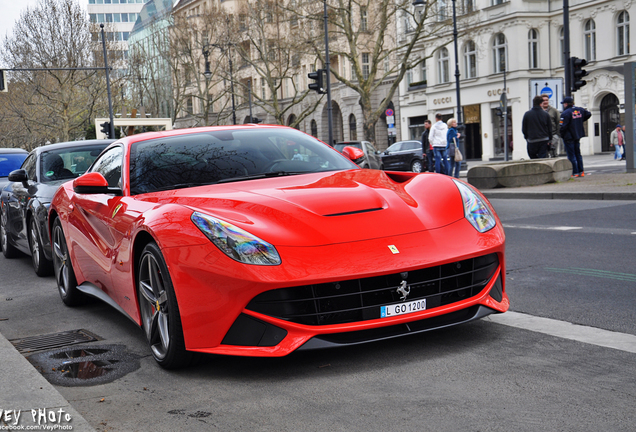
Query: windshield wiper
<point x="182" y="186"/>
<point x="260" y="176"/>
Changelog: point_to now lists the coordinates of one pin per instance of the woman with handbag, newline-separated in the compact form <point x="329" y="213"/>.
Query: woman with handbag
<point x="452" y="147"/>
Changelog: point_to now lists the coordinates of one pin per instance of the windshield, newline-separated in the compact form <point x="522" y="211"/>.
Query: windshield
<point x="68" y="163"/>
<point x="10" y="162"/>
<point x="340" y="146"/>
<point x="227" y="155"/>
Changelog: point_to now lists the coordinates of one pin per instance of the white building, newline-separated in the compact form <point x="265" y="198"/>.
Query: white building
<point x="119" y="16"/>
<point x="524" y="38"/>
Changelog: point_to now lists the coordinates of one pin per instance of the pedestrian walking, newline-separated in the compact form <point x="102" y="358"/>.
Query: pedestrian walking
<point x="427" y="148"/>
<point x="537" y="129"/>
<point x="572" y="131"/>
<point x="554" y="147"/>
<point x="437" y="138"/>
<point x="617" y="139"/>
<point x="452" y="137"/>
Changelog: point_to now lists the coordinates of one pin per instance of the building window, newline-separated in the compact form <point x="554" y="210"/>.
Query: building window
<point x="423" y="74"/>
<point x="409" y="77"/>
<point x="442" y="66"/>
<point x="533" y="49"/>
<point x="263" y="89"/>
<point x="470" y="60"/>
<point x="314" y="129"/>
<point x="622" y="28"/>
<point x="365" y="66"/>
<point x="590" y="40"/>
<point x="353" y="134"/>
<point x="500" y="53"/>
<point x="562" y="46"/>
<point x="364" y="19"/>
<point x="441" y="10"/>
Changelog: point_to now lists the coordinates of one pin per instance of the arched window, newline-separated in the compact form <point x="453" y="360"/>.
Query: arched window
<point x="353" y="134"/>
<point x="500" y="53"/>
<point x="314" y="129"/>
<point x="291" y="120"/>
<point x="533" y="49"/>
<point x="470" y="60"/>
<point x="442" y="66"/>
<point x="590" y="40"/>
<point x="622" y="28"/>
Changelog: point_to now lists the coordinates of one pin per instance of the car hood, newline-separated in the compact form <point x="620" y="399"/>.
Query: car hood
<point x="328" y="208"/>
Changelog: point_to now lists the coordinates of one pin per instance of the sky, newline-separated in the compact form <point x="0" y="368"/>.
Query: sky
<point x="10" y="11"/>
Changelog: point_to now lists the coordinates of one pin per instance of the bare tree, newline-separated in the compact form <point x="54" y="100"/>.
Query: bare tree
<point x="365" y="33"/>
<point x="53" y="105"/>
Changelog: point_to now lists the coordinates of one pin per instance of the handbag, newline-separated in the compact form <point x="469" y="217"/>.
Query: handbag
<point x="458" y="155"/>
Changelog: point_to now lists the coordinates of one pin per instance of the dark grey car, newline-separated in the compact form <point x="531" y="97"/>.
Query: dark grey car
<point x="371" y="158"/>
<point x="25" y="200"/>
<point x="405" y="156"/>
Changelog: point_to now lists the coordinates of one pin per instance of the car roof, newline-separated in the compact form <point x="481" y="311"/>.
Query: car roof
<point x="12" y="150"/>
<point x="68" y="144"/>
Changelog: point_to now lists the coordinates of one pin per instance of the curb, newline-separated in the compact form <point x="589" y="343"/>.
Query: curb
<point x="25" y="389"/>
<point x="599" y="196"/>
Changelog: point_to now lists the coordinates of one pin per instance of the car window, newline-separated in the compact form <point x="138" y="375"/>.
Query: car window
<point x="109" y="165"/>
<point x="412" y="145"/>
<point x="68" y="162"/>
<point x="395" y="147"/>
<point x="370" y="148"/>
<point x="227" y="155"/>
<point x="29" y="166"/>
<point x="10" y="162"/>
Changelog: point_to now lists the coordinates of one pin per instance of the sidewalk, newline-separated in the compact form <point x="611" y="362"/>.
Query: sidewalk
<point x="595" y="185"/>
<point x="25" y="389"/>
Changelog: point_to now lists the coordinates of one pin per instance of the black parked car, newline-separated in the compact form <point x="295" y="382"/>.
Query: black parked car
<point x="25" y="201"/>
<point x="371" y="157"/>
<point x="10" y="159"/>
<point x="405" y="156"/>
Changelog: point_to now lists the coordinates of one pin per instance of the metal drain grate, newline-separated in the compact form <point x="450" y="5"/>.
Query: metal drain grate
<point x="53" y="340"/>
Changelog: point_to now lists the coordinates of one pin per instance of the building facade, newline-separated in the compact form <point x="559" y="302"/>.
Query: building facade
<point x="522" y="42"/>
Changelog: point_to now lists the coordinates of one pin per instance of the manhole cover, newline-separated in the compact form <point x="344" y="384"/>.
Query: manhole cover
<point x="85" y="366"/>
<point x="53" y="340"/>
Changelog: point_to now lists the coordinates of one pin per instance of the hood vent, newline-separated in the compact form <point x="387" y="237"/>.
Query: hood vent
<point x="355" y="212"/>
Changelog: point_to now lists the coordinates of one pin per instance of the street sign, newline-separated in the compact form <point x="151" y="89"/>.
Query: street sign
<point x="389" y="112"/>
<point x="390" y="119"/>
<point x="552" y="87"/>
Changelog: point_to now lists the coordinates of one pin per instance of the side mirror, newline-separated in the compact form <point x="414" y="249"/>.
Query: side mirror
<point x="18" y="175"/>
<point x="353" y="153"/>
<point x="386" y="152"/>
<point x="91" y="183"/>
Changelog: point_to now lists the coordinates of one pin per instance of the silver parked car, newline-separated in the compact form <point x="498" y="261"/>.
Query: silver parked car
<point x="371" y="159"/>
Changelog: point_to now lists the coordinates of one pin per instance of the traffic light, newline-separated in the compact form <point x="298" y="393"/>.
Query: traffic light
<point x="319" y="84"/>
<point x="105" y="129"/>
<point x="576" y="66"/>
<point x="3" y="81"/>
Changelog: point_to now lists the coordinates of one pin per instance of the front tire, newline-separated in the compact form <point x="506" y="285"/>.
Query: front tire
<point x="8" y="250"/>
<point x="41" y="265"/>
<point x="160" y="317"/>
<point x="63" y="268"/>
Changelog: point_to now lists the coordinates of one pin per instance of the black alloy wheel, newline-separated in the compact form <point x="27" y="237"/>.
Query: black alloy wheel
<point x="41" y="265"/>
<point x="8" y="250"/>
<point x="63" y="268"/>
<point x="160" y="318"/>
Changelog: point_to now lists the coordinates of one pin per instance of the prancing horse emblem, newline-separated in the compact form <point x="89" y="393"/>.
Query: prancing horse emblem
<point x="404" y="290"/>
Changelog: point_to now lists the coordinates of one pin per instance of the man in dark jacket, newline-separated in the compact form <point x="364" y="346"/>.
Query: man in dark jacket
<point x="427" y="148"/>
<point x="537" y="129"/>
<point x="572" y="131"/>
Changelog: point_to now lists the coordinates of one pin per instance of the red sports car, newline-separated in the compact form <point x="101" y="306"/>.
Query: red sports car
<point x="261" y="240"/>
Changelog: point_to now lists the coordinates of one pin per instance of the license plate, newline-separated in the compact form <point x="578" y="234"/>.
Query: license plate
<point x="402" y="308"/>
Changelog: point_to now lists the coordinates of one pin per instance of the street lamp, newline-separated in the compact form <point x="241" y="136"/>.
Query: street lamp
<point x="206" y="54"/>
<point x="229" y="58"/>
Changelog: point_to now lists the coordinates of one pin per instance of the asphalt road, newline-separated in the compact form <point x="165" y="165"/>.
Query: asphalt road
<point x="571" y="261"/>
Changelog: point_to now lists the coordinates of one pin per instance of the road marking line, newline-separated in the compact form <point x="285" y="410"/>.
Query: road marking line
<point x="541" y="227"/>
<point x="596" y="273"/>
<point x="590" y="335"/>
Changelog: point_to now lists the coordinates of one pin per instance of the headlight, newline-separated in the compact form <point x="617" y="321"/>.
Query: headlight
<point x="475" y="210"/>
<point x="236" y="243"/>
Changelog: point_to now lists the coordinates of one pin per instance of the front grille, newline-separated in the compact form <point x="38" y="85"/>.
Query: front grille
<point x="360" y="299"/>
